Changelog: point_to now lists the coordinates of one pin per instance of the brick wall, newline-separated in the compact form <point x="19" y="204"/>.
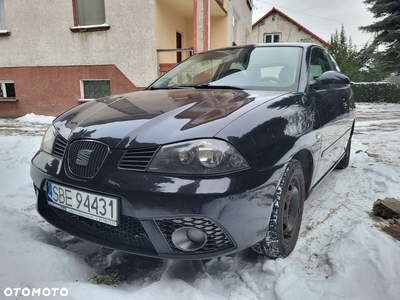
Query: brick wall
<point x="52" y="90"/>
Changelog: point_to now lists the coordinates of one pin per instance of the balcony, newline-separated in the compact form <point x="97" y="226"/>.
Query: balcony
<point x="175" y="30"/>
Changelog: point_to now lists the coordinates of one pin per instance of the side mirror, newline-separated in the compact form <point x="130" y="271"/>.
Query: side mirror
<point x="330" y="80"/>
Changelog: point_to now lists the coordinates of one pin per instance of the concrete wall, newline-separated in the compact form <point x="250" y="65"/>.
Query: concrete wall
<point x="189" y="34"/>
<point x="41" y="36"/>
<point x="218" y="32"/>
<point x="275" y="23"/>
<point x="243" y="12"/>
<point x="168" y="21"/>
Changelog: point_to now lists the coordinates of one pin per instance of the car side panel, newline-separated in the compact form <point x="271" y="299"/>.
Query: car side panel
<point x="274" y="132"/>
<point x="334" y="126"/>
<point x="332" y="103"/>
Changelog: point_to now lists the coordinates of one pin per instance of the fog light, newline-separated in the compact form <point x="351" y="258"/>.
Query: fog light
<point x="189" y="239"/>
<point x="196" y="235"/>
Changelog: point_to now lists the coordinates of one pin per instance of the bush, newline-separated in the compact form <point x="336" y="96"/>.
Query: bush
<point x="386" y="92"/>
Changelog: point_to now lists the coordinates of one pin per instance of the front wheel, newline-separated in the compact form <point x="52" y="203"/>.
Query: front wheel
<point x="344" y="162"/>
<point x="286" y="215"/>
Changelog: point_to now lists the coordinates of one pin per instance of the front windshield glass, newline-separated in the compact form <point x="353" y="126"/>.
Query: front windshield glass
<point x="265" y="68"/>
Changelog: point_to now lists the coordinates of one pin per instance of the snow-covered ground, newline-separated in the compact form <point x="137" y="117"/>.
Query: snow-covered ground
<point x="341" y="254"/>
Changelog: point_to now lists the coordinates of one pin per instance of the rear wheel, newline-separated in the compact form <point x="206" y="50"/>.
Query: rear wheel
<point x="286" y="215"/>
<point x="344" y="162"/>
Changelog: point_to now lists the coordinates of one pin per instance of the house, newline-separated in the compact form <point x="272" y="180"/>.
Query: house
<point x="277" y="27"/>
<point x="57" y="54"/>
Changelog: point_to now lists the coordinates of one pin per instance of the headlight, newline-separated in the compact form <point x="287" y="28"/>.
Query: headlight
<point x="48" y="140"/>
<point x="208" y="156"/>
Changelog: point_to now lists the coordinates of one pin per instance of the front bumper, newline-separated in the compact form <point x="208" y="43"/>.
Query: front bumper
<point x="233" y="210"/>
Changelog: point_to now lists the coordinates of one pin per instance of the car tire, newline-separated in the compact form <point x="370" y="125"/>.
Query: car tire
<point x="286" y="215"/>
<point x="344" y="162"/>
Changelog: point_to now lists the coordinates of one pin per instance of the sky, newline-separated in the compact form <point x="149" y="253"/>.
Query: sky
<point x="323" y="17"/>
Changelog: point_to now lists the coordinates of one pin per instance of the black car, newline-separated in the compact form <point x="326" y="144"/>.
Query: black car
<point x="215" y="156"/>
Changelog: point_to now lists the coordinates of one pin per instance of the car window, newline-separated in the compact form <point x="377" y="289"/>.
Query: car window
<point x="319" y="63"/>
<point x="198" y="73"/>
<point x="265" y="68"/>
<point x="271" y="71"/>
<point x="236" y="66"/>
<point x="334" y="63"/>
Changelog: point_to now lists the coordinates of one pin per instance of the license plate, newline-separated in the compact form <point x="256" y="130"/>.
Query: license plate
<point x="96" y="207"/>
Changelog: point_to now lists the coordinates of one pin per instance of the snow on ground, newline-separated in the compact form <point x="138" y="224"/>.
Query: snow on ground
<point x="35" y="119"/>
<point x="341" y="254"/>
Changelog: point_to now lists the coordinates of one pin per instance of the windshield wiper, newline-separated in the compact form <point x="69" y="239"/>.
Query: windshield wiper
<point x="195" y="86"/>
<point x="173" y="87"/>
<point x="209" y="86"/>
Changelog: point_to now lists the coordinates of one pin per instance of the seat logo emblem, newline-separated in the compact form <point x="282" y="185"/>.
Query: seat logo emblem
<point x="83" y="157"/>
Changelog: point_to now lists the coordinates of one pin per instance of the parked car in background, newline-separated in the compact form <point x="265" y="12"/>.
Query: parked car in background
<point x="217" y="155"/>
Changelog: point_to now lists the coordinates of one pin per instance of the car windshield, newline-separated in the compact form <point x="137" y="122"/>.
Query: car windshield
<point x="262" y="68"/>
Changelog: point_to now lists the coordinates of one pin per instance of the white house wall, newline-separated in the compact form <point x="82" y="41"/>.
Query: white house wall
<point x="41" y="36"/>
<point x="275" y="23"/>
<point x="241" y="9"/>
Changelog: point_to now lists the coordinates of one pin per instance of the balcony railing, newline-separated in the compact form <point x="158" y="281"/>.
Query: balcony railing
<point x="164" y="67"/>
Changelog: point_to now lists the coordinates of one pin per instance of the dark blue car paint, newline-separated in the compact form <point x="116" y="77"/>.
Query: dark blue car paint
<point x="268" y="128"/>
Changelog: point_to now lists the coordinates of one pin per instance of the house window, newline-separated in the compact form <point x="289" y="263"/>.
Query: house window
<point x="7" y="89"/>
<point x="235" y="31"/>
<point x="2" y="16"/>
<point x="90" y="12"/>
<point x="93" y="89"/>
<point x="273" y="38"/>
<point x="306" y="40"/>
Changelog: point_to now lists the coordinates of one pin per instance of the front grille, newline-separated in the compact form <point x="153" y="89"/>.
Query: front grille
<point x="60" y="144"/>
<point x="86" y="157"/>
<point x="216" y="238"/>
<point x="137" y="159"/>
<point x="129" y="232"/>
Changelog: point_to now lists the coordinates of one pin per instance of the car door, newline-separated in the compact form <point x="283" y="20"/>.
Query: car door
<point x="331" y="102"/>
<point x="348" y="97"/>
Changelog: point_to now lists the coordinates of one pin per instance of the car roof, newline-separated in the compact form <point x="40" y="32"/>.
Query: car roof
<point x="261" y="45"/>
<point x="292" y="44"/>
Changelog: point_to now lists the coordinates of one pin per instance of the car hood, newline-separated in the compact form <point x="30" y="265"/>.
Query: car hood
<point x="149" y="118"/>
